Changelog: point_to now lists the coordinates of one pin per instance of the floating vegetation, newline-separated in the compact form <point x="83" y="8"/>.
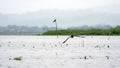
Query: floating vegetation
<point x="18" y="58"/>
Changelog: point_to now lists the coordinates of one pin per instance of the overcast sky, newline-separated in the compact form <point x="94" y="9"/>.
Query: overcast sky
<point x="24" y="6"/>
<point x="67" y="12"/>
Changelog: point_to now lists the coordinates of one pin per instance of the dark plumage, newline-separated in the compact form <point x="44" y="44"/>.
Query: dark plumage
<point x="72" y="36"/>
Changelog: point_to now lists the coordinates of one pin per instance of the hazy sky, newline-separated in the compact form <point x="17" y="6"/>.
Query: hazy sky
<point x="67" y="12"/>
<point x="23" y="6"/>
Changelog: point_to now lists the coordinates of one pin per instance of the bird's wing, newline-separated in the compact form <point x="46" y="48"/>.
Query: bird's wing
<point x="79" y="36"/>
<point x="66" y="40"/>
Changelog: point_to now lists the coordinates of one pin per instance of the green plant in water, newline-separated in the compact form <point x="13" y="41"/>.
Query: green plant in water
<point x="18" y="58"/>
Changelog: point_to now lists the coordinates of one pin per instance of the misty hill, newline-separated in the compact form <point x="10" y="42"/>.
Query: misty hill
<point x="25" y="30"/>
<point x="21" y="30"/>
<point x="86" y="27"/>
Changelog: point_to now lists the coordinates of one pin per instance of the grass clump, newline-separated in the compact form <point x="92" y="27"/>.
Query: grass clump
<point x="18" y="58"/>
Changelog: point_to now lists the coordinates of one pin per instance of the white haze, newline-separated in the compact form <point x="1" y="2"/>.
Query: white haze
<point x="67" y="12"/>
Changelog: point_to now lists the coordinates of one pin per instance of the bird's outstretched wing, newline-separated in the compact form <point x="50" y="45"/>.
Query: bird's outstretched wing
<point x="66" y="39"/>
<point x="79" y="36"/>
<point x="72" y="36"/>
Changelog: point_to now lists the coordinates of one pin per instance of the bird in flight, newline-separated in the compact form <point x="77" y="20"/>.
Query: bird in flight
<point x="72" y="36"/>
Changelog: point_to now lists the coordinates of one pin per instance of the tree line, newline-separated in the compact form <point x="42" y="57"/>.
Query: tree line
<point x="92" y="31"/>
